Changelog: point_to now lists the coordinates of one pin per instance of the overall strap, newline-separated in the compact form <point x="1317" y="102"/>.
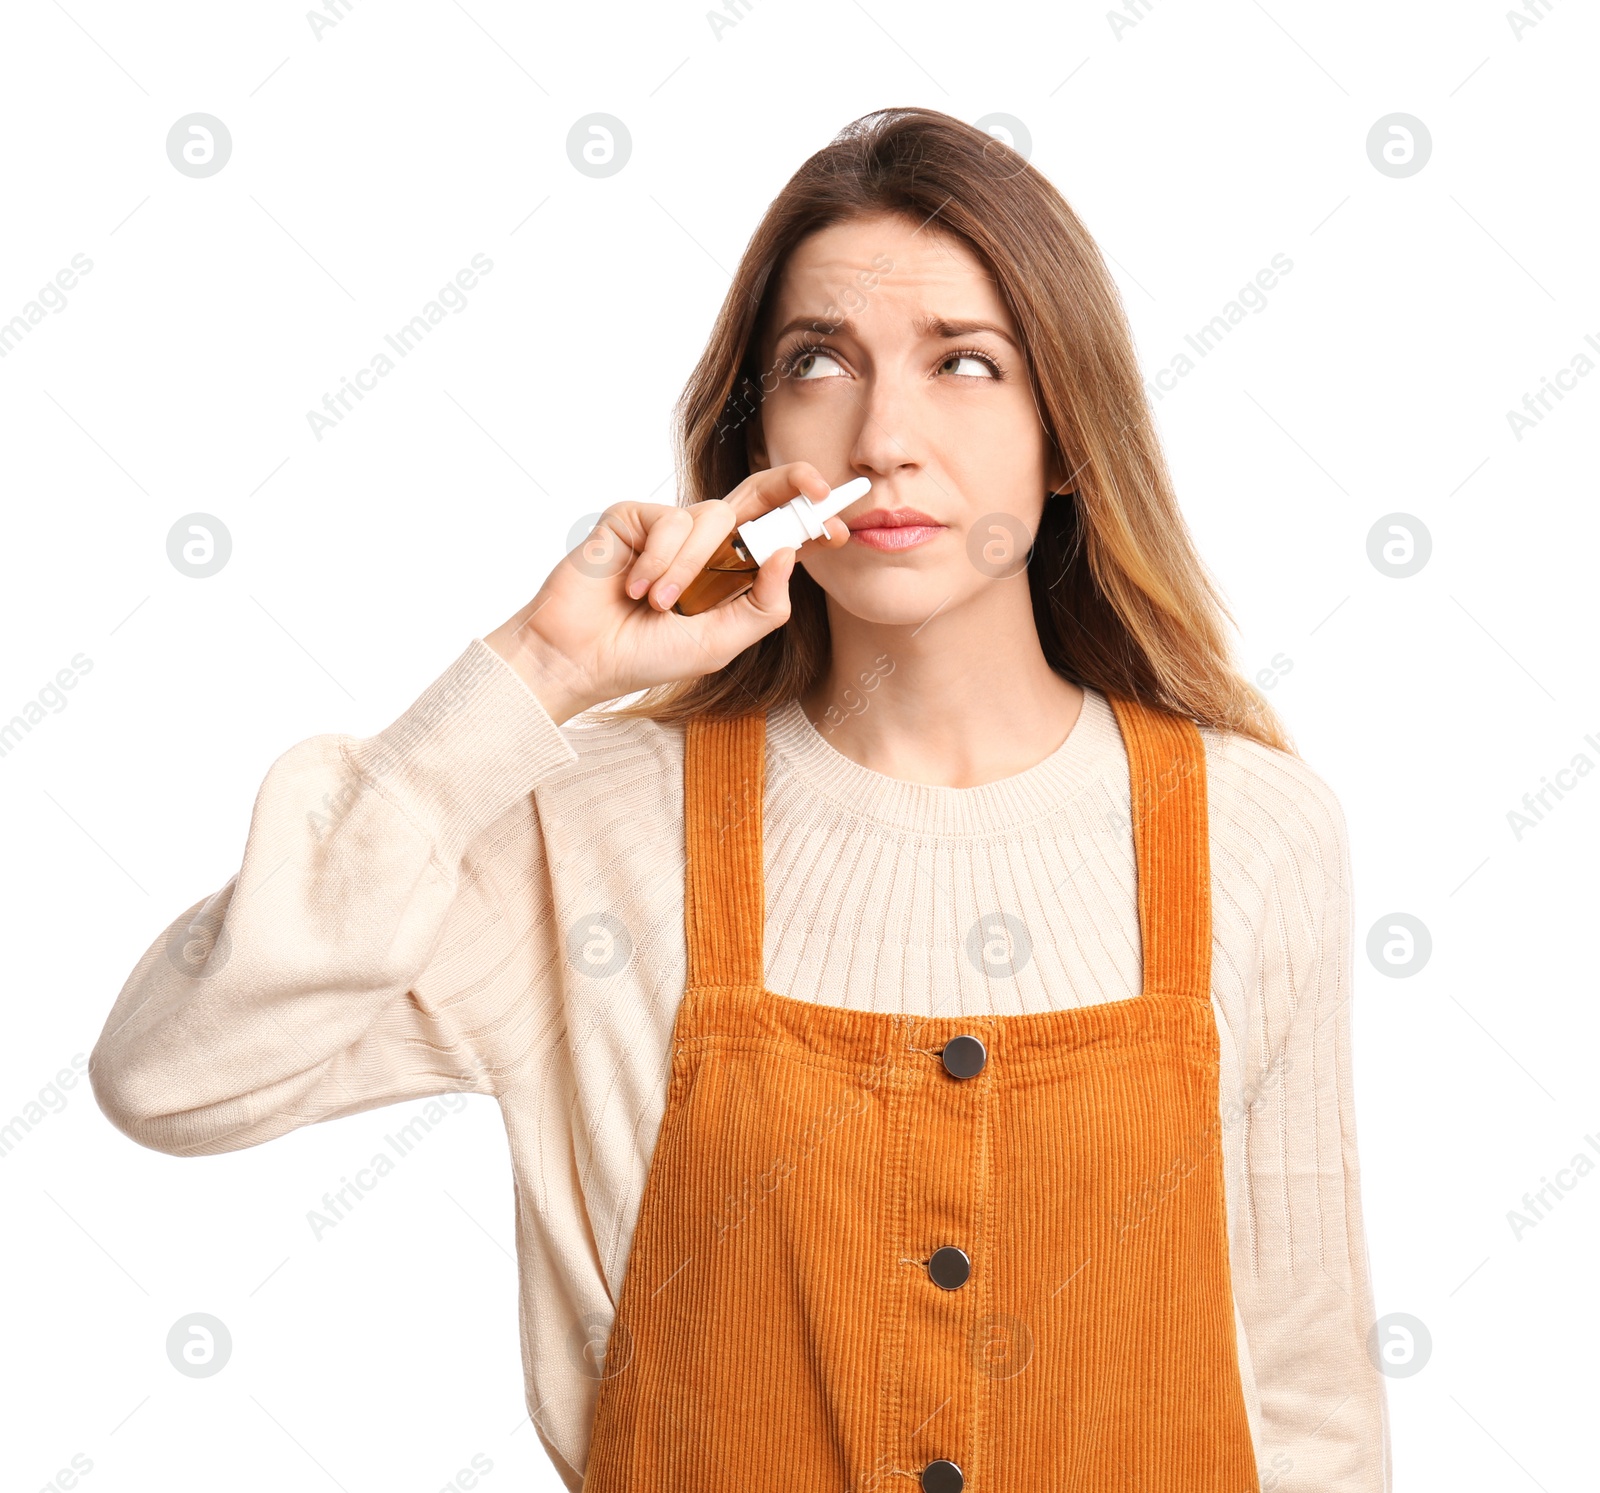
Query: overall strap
<point x="1172" y="846"/>
<point x="724" y="774"/>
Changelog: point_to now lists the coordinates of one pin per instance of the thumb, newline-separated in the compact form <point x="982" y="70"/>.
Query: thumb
<point x="734" y="626"/>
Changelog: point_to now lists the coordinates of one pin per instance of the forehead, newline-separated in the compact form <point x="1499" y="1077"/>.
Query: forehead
<point x="916" y="270"/>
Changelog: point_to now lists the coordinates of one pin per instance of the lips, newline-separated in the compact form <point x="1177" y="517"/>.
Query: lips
<point x="892" y="518"/>
<point x="893" y="528"/>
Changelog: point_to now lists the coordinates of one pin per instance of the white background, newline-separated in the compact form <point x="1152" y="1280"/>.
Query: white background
<point x="368" y="167"/>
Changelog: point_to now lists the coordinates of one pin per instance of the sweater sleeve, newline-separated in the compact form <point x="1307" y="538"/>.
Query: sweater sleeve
<point x="1302" y="1278"/>
<point x="295" y="992"/>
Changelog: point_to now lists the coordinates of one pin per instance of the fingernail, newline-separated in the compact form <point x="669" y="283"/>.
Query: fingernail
<point x="668" y="594"/>
<point x="636" y="587"/>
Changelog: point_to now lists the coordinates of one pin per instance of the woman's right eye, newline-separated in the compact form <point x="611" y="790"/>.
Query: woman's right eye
<point x="803" y="363"/>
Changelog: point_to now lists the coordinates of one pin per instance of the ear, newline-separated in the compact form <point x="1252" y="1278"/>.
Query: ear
<point x="1057" y="476"/>
<point x="755" y="445"/>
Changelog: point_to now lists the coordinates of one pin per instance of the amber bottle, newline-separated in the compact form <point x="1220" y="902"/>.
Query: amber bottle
<point x="728" y="573"/>
<point x="731" y="571"/>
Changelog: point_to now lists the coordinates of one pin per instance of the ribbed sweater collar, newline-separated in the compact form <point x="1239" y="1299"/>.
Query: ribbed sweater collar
<point x="1092" y="747"/>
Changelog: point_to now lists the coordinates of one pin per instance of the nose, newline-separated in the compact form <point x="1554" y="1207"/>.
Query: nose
<point x="886" y="438"/>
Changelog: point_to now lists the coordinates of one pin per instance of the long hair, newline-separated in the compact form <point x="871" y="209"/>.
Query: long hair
<point x="1121" y="599"/>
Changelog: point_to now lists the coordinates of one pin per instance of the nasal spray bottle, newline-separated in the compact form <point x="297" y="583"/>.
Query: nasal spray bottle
<point x="732" y="570"/>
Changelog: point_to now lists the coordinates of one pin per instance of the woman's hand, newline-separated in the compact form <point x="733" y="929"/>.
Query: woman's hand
<point x="592" y="634"/>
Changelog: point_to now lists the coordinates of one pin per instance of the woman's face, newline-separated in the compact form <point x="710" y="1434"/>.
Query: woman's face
<point x="892" y="356"/>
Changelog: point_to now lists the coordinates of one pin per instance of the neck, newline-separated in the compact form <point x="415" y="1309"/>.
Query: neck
<point x="962" y="698"/>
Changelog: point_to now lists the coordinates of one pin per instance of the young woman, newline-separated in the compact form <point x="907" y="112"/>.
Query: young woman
<point x="922" y="1019"/>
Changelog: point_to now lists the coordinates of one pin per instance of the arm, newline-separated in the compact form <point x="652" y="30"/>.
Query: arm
<point x="300" y="991"/>
<point x="1301" y="1275"/>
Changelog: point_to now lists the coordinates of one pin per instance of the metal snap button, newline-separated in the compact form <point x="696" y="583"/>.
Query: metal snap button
<point x="949" y="1267"/>
<point x="964" y="1056"/>
<point x="942" y="1477"/>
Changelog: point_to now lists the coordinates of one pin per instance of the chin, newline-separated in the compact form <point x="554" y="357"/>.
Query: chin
<point x="894" y="596"/>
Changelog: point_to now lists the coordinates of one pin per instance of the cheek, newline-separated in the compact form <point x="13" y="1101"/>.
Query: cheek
<point x="999" y="480"/>
<point x="997" y="443"/>
<point x="794" y="425"/>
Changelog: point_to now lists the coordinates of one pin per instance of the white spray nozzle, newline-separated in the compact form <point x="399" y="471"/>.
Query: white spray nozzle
<point x="798" y="520"/>
<point x="839" y="499"/>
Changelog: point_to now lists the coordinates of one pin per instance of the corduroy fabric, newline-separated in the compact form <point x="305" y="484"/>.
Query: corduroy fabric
<point x="777" y="1319"/>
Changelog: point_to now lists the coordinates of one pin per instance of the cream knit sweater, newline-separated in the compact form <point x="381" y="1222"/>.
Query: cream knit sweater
<point x="476" y="899"/>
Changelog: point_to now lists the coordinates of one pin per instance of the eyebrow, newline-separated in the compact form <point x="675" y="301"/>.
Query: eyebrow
<point x="927" y="326"/>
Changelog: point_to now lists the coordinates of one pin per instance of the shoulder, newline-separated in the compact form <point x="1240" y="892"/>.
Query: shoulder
<point x="626" y="771"/>
<point x="1270" y="810"/>
<point x="606" y="743"/>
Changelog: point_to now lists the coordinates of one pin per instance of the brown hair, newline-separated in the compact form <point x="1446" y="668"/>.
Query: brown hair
<point x="1121" y="599"/>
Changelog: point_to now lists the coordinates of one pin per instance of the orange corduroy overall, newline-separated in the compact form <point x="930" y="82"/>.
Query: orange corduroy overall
<point x="980" y="1252"/>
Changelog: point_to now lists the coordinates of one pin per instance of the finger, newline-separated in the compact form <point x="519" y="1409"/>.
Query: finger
<point x="765" y="490"/>
<point x="771" y="589"/>
<point x="727" y="630"/>
<point x="610" y="547"/>
<point x="710" y="525"/>
<point x="619" y="536"/>
<point x="666" y="569"/>
<point x="664" y="528"/>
